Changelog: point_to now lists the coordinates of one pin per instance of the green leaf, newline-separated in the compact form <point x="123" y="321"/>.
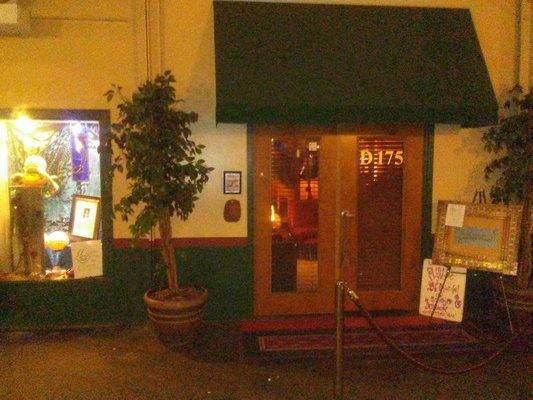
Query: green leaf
<point x="155" y="150"/>
<point x="509" y="141"/>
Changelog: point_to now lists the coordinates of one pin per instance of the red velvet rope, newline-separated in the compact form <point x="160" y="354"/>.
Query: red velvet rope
<point x="418" y="363"/>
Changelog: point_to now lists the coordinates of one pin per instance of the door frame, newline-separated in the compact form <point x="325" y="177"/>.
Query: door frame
<point x="427" y="196"/>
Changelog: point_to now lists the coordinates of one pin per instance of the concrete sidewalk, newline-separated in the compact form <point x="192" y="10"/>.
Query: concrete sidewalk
<point x="130" y="363"/>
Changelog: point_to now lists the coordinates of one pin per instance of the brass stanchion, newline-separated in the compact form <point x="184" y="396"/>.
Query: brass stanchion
<point x="339" y="339"/>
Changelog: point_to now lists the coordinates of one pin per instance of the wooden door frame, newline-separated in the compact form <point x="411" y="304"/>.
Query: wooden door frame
<point x="427" y="195"/>
<point x="293" y="302"/>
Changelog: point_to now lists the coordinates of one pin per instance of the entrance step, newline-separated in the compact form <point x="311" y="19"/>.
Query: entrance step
<point x="327" y="322"/>
<point x="302" y="337"/>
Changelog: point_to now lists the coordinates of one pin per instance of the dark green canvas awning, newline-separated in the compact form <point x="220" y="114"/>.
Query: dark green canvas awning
<point x="314" y="63"/>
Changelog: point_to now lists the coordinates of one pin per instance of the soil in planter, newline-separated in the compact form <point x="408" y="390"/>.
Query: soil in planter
<point x="183" y="293"/>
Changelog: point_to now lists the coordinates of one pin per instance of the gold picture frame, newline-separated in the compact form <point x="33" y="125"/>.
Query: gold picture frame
<point x="478" y="236"/>
<point x="84" y="218"/>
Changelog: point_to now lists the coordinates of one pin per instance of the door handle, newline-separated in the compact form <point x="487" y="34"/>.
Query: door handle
<point x="344" y="250"/>
<point x="346" y="214"/>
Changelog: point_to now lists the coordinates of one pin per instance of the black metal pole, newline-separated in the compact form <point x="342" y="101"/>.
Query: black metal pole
<point x="509" y="319"/>
<point x="339" y="339"/>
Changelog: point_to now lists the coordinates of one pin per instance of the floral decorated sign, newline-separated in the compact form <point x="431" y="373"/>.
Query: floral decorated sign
<point x="450" y="303"/>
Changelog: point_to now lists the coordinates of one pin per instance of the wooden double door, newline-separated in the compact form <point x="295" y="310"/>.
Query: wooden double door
<point x="336" y="203"/>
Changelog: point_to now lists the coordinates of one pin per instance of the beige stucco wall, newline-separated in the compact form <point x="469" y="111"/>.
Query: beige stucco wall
<point x="77" y="48"/>
<point x="73" y="53"/>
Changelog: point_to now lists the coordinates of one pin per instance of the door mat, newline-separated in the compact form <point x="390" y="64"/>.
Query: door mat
<point x="327" y="322"/>
<point x="368" y="342"/>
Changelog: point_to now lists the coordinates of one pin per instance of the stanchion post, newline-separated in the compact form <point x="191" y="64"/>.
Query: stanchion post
<point x="339" y="339"/>
<point x="509" y="319"/>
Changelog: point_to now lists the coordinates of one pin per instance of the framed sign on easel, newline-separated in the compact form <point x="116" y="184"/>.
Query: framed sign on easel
<point x="478" y="236"/>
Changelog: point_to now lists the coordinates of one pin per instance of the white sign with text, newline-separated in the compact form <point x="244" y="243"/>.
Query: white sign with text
<point x="87" y="258"/>
<point x="455" y="215"/>
<point x="450" y="304"/>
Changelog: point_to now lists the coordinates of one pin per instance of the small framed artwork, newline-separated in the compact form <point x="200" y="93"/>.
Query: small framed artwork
<point x="84" y="218"/>
<point x="478" y="236"/>
<point x="232" y="182"/>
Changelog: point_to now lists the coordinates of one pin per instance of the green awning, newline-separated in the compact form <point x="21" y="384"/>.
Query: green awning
<point x="319" y="64"/>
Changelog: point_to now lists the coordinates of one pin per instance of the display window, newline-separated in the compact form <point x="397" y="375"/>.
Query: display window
<point x="50" y="192"/>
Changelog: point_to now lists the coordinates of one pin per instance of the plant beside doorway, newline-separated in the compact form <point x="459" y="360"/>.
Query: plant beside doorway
<point x="512" y="170"/>
<point x="165" y="175"/>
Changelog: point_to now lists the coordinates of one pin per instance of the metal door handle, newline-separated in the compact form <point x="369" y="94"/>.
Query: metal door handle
<point x="344" y="251"/>
<point x="346" y="214"/>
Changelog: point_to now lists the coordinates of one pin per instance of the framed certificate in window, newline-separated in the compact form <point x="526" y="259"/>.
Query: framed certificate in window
<point x="85" y="218"/>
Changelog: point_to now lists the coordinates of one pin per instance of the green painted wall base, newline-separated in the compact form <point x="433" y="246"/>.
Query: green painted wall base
<point x="83" y="302"/>
<point x="225" y="272"/>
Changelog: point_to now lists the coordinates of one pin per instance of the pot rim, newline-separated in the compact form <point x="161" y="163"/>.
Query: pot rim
<point x="168" y="304"/>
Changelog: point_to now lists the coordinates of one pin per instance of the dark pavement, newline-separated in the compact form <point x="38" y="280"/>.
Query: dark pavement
<point x="130" y="363"/>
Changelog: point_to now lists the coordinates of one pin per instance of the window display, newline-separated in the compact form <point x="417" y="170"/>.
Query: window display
<point x="45" y="165"/>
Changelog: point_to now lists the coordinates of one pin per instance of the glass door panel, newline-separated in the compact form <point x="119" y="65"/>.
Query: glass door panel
<point x="294" y="191"/>
<point x="294" y="217"/>
<point x="379" y="213"/>
<point x="381" y="167"/>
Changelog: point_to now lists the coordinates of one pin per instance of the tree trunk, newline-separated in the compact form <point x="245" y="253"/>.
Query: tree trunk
<point x="524" y="272"/>
<point x="523" y="280"/>
<point x="28" y="214"/>
<point x="167" y="251"/>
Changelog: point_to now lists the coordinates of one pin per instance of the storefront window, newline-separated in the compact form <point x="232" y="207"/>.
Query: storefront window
<point x="50" y="194"/>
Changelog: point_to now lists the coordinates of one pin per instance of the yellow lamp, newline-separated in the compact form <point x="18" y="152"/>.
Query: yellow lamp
<point x="55" y="242"/>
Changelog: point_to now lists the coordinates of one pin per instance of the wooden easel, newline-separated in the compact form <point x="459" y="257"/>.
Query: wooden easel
<point x="481" y="197"/>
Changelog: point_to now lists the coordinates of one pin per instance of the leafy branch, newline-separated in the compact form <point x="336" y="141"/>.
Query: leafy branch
<point x="512" y="170"/>
<point x="511" y="142"/>
<point x="160" y="160"/>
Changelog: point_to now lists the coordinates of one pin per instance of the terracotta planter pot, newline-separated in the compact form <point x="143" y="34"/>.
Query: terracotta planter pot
<point x="175" y="321"/>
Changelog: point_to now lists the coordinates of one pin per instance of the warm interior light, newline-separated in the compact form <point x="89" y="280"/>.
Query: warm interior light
<point x="275" y="219"/>
<point x="56" y="240"/>
<point x="25" y="124"/>
<point x="76" y="128"/>
<point x="5" y="215"/>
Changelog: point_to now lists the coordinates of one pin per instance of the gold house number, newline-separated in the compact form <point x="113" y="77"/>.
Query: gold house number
<point x="381" y="157"/>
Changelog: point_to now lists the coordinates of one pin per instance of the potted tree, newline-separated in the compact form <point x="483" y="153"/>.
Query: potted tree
<point x="165" y="175"/>
<point x="512" y="174"/>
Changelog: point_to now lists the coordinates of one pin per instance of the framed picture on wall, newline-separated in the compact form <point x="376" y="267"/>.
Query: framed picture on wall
<point x="84" y="218"/>
<point x="478" y="236"/>
<point x="232" y="182"/>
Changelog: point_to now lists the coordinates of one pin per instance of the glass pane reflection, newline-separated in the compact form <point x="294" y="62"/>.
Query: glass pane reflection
<point x="380" y="214"/>
<point x="294" y="213"/>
